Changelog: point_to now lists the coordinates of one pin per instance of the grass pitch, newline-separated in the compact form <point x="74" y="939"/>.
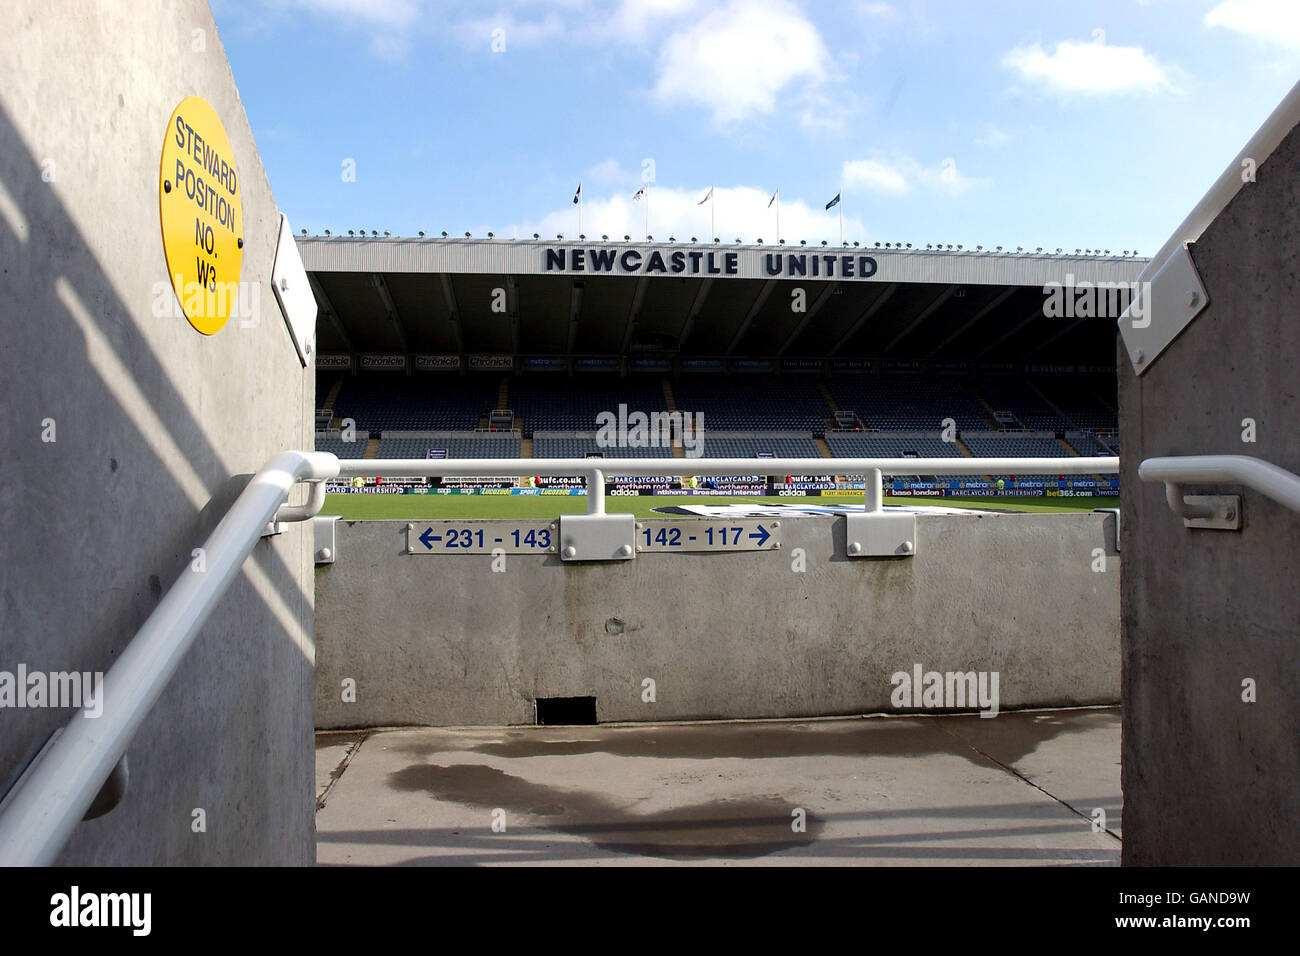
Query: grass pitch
<point x="414" y="507"/>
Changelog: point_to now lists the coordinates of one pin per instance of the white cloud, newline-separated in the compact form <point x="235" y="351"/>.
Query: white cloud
<point x="872" y="175"/>
<point x="876" y="10"/>
<point x="634" y="18"/>
<point x="992" y="137"/>
<point x="741" y="212"/>
<point x="387" y="14"/>
<point x="387" y="22"/>
<point x="1272" y="21"/>
<point x="1090" y="68"/>
<point x="609" y="171"/>
<point x="735" y="60"/>
<point x="901" y="174"/>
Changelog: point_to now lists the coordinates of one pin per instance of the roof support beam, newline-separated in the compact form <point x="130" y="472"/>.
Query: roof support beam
<point x="1036" y="314"/>
<point x="757" y="307"/>
<point x="807" y="317"/>
<point x="862" y="320"/>
<point x="928" y="311"/>
<point x="575" y="314"/>
<point x="512" y="311"/>
<point x="953" y="336"/>
<point x="1055" y="335"/>
<point x="331" y="313"/>
<point x="696" y="308"/>
<point x="377" y="280"/>
<point x="449" y="294"/>
<point x="638" y="298"/>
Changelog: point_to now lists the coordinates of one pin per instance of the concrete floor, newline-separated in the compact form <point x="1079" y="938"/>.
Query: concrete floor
<point x="1019" y="789"/>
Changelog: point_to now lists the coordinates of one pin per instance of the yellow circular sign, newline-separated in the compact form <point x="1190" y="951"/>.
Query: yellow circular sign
<point x="202" y="217"/>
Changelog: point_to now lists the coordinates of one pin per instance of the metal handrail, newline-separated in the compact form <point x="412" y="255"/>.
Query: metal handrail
<point x="40" y="812"/>
<point x="1255" y="473"/>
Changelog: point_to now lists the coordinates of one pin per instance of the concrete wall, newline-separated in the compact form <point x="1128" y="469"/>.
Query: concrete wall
<point x="1209" y="778"/>
<point x="439" y="639"/>
<point x="157" y="430"/>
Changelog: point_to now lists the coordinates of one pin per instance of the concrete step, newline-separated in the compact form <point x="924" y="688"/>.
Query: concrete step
<point x="372" y="449"/>
<point x="613" y="795"/>
<point x="670" y="401"/>
<point x="830" y="399"/>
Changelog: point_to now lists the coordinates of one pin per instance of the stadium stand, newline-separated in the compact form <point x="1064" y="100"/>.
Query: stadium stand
<point x="387" y="401"/>
<point x="743" y="416"/>
<point x="908" y="402"/>
<point x="740" y="403"/>
<point x="1016" y="396"/>
<point x="1077" y="398"/>
<point x="1013" y="445"/>
<point x="335" y="445"/>
<point x="583" y="444"/>
<point x="558" y="403"/>
<point x="455" y="444"/>
<point x="755" y="445"/>
<point x="894" y="445"/>
<point x="1086" y="444"/>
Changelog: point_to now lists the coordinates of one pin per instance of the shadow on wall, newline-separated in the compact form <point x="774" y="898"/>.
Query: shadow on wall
<point x="99" y="522"/>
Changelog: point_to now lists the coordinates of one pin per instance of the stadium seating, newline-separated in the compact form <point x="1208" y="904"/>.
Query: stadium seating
<point x="332" y="443"/>
<point x="386" y="401"/>
<point x="575" y="445"/>
<point x="910" y="402"/>
<point x="750" y="445"/>
<point x="1015" y="395"/>
<point x="559" y="403"/>
<point x="1077" y="398"/>
<point x="894" y="445"/>
<point x="456" y="445"/>
<point x="741" y="403"/>
<point x="1013" y="445"/>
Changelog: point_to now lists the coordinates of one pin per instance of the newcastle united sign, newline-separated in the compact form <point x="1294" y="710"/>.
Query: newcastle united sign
<point x="714" y="262"/>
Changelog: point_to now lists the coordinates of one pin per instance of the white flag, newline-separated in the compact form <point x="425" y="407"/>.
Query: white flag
<point x="707" y="197"/>
<point x="639" y="194"/>
<point x="773" y="199"/>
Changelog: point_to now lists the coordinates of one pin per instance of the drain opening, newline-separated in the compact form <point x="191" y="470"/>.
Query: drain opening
<point x="552" y="711"/>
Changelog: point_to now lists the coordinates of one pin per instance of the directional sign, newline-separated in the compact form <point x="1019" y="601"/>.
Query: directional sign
<point x="740" y="534"/>
<point x="482" y="537"/>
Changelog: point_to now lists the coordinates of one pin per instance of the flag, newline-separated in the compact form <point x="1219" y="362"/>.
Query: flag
<point x="707" y="197"/>
<point x="773" y="199"/>
<point x="639" y="194"/>
<point x="834" y="202"/>
<point x="578" y="194"/>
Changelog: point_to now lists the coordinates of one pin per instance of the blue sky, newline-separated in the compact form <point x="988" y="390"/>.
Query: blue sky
<point x="1091" y="125"/>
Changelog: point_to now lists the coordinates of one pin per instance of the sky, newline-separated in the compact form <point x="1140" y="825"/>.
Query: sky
<point x="1091" y="125"/>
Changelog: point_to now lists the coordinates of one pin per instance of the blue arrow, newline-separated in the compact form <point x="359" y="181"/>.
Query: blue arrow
<point x="429" y="536"/>
<point x="762" y="535"/>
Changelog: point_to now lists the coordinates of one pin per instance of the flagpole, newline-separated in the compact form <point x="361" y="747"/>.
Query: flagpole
<point x="579" y="212"/>
<point x="647" y="209"/>
<point x="841" y="205"/>
<point x="713" y="202"/>
<point x="778" y="217"/>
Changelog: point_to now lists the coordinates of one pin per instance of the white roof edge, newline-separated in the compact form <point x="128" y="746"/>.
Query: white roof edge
<point x="505" y="256"/>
